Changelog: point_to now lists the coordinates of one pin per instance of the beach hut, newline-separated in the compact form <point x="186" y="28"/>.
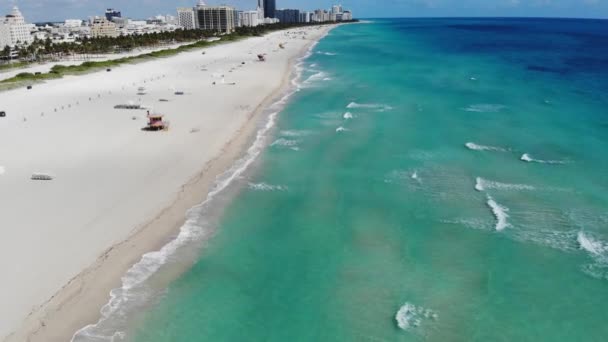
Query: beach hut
<point x="156" y="123"/>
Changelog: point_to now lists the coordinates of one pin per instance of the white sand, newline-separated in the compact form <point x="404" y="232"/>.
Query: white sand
<point x="110" y="177"/>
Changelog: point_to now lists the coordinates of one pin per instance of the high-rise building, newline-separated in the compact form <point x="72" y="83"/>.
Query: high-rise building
<point x="288" y="16"/>
<point x="14" y="30"/>
<point x="306" y="17"/>
<point x="216" y="18"/>
<point x="270" y="7"/>
<point x="102" y="27"/>
<point x="112" y="13"/>
<point x="249" y="19"/>
<point x="187" y="18"/>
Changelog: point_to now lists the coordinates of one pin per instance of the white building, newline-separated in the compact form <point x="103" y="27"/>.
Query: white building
<point x="186" y="18"/>
<point x="101" y="27"/>
<point x="250" y="18"/>
<point x="72" y="23"/>
<point x="14" y="30"/>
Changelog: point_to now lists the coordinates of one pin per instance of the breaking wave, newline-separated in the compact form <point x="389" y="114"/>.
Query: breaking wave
<point x="316" y="77"/>
<point x="485" y="108"/>
<point x="594" y="247"/>
<point x="347" y="116"/>
<point x="289" y="143"/>
<point x="267" y="187"/>
<point x="484" y="184"/>
<point x="294" y="133"/>
<point x="326" y="53"/>
<point x="475" y="147"/>
<point x="134" y="293"/>
<point x="500" y="213"/>
<point x="341" y="129"/>
<point x="376" y="106"/>
<point x="410" y="316"/>
<point x="598" y="251"/>
<point x="528" y="158"/>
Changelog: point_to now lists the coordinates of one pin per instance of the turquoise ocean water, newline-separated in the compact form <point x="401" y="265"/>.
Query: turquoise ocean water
<point x="439" y="180"/>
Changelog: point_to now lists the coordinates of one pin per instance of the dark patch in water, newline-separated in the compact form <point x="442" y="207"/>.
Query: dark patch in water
<point x="485" y="27"/>
<point x="541" y="68"/>
<point x="587" y="63"/>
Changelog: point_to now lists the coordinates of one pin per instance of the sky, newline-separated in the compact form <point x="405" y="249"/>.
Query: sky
<point x="58" y="10"/>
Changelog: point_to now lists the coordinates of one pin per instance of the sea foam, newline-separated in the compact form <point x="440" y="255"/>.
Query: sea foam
<point x="484" y="184"/>
<point x="528" y="158"/>
<point x="376" y="106"/>
<point x="485" y="108"/>
<point x="476" y="147"/>
<point x="347" y="116"/>
<point x="410" y="316"/>
<point x="500" y="213"/>
<point x="592" y="246"/>
<point x="341" y="129"/>
<point x="267" y="187"/>
<point x="128" y="298"/>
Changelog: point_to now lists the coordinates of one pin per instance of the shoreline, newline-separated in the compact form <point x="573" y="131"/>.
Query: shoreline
<point x="77" y="304"/>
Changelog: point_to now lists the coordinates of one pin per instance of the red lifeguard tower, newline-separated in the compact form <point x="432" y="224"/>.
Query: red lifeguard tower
<point x="156" y="123"/>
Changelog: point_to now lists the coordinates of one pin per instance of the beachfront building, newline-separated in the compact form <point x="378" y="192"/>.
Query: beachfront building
<point x="186" y="18"/>
<point x="306" y="17"/>
<point x="249" y="19"/>
<point x="101" y="27"/>
<point x="112" y="13"/>
<point x="222" y="19"/>
<point x="14" y="30"/>
<point x="72" y="23"/>
<point x="269" y="8"/>
<point x="321" y="16"/>
<point x="288" y="16"/>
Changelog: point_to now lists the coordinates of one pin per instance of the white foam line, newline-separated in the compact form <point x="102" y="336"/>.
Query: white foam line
<point x="266" y="187"/>
<point x="484" y="184"/>
<point x="591" y="245"/>
<point x="500" y="213"/>
<point x="378" y="106"/>
<point x="476" y="147"/>
<point x="528" y="158"/>
<point x="151" y="262"/>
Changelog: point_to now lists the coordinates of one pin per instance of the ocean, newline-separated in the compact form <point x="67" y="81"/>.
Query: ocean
<point x="425" y="180"/>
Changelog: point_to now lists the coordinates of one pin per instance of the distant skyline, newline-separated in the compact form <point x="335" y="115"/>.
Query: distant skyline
<point x="57" y="10"/>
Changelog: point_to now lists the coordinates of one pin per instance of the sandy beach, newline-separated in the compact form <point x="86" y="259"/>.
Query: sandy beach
<point x="117" y="191"/>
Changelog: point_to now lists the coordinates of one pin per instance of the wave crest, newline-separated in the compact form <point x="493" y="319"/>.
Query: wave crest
<point x="476" y="147"/>
<point x="410" y="315"/>
<point x="484" y="184"/>
<point x="267" y="187"/>
<point x="528" y="158"/>
<point x="376" y="106"/>
<point x="500" y="213"/>
<point x="485" y="108"/>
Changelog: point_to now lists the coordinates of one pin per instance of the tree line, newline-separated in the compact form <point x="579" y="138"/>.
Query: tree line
<point x="41" y="50"/>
